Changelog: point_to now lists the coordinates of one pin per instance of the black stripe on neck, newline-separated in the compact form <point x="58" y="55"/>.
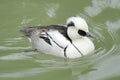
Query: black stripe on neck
<point x="68" y="36"/>
<point x="78" y="50"/>
<point x="65" y="55"/>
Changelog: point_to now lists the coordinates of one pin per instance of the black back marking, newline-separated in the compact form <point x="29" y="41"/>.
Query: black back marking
<point x="70" y="24"/>
<point x="65" y="55"/>
<point x="46" y="39"/>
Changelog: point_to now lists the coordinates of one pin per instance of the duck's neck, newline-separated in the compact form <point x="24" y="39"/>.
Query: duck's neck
<point x="73" y="33"/>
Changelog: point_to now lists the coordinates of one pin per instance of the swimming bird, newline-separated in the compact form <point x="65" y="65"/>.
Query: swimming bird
<point x="69" y="41"/>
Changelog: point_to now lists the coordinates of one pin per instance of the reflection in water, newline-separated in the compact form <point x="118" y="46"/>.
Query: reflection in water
<point x="114" y="26"/>
<point x="51" y="9"/>
<point x="99" y="5"/>
<point x="25" y="20"/>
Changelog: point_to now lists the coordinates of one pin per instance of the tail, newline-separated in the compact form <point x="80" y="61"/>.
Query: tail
<point x="27" y="31"/>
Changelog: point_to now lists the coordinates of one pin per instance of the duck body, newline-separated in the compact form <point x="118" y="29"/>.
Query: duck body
<point x="52" y="39"/>
<point x="58" y="40"/>
<point x="80" y="48"/>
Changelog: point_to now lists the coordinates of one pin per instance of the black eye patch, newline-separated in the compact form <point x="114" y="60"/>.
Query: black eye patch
<point x="70" y="24"/>
<point x="81" y="32"/>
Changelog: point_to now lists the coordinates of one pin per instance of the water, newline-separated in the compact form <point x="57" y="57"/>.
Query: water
<point x="103" y="17"/>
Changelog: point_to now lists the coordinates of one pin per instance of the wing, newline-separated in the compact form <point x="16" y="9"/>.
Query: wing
<point x="58" y="35"/>
<point x="61" y="29"/>
<point x="55" y="35"/>
<point x="46" y="39"/>
<point x="52" y="34"/>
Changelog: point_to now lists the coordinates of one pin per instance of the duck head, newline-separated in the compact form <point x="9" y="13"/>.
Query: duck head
<point x="77" y="28"/>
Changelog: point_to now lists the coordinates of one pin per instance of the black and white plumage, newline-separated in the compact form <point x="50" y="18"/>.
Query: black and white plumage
<point x="69" y="41"/>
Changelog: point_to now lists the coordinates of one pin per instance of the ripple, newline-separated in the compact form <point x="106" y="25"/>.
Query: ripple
<point x="14" y="56"/>
<point x="13" y="48"/>
<point x="104" y="42"/>
<point x="10" y="44"/>
<point x="28" y="72"/>
<point x="113" y="28"/>
<point x="99" y="5"/>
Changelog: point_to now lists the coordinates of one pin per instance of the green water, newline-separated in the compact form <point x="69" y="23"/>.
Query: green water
<point x="103" y="17"/>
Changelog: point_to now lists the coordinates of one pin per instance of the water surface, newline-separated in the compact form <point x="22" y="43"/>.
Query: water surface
<point x="103" y="18"/>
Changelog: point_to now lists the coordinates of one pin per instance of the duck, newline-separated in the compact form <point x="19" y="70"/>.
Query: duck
<point x="68" y="41"/>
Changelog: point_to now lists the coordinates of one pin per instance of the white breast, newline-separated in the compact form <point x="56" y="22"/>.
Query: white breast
<point x="84" y="45"/>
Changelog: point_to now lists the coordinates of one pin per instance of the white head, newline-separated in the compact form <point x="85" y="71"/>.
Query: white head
<point x="79" y="23"/>
<point x="77" y="27"/>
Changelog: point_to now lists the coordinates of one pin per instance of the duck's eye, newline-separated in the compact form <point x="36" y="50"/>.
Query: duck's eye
<point x="82" y="33"/>
<point x="70" y="24"/>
